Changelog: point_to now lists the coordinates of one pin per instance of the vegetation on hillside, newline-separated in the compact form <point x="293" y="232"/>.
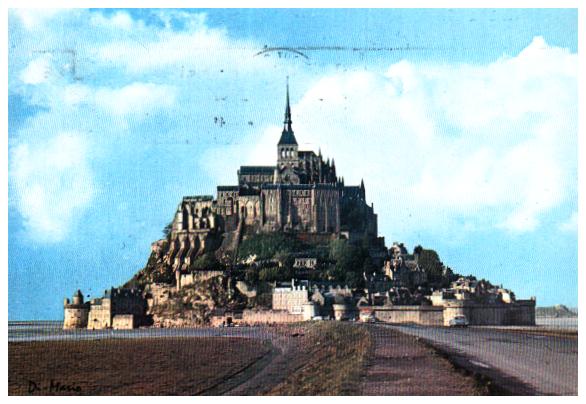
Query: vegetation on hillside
<point x="340" y="261"/>
<point x="349" y="263"/>
<point x="437" y="273"/>
<point x="269" y="246"/>
<point x="338" y="350"/>
<point x="153" y="272"/>
<point x="196" y="302"/>
<point x="207" y="261"/>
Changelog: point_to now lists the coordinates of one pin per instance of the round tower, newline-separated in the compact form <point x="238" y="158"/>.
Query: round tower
<point x="78" y="297"/>
<point x="75" y="314"/>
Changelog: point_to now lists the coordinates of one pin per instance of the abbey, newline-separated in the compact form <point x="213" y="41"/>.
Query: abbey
<point x="225" y="258"/>
<point x="301" y="194"/>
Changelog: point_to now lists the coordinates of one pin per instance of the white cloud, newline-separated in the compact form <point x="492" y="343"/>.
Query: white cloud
<point x="485" y="145"/>
<point x="135" y="98"/>
<point x="33" y="18"/>
<point x="52" y="185"/>
<point x="37" y="71"/>
<point x="571" y="224"/>
<point x="196" y="49"/>
<point x="75" y="94"/>
<point x="118" y="20"/>
<point x="438" y="144"/>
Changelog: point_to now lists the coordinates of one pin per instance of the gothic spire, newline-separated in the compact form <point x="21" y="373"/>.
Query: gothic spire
<point x="287" y="138"/>
<point x="288" y="120"/>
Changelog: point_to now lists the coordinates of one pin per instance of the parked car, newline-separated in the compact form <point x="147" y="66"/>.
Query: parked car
<point x="458" y="321"/>
<point x="367" y="317"/>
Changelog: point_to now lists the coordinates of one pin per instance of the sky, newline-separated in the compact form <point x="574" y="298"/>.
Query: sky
<point x="462" y="123"/>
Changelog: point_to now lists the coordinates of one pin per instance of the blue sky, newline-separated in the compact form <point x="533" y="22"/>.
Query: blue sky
<point x="463" y="124"/>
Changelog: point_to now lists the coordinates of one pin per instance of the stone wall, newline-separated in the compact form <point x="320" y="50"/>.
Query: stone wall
<point x="198" y="276"/>
<point x="426" y="315"/>
<point x="75" y="317"/>
<point x="522" y="312"/>
<point x="158" y="293"/>
<point x="269" y="316"/>
<point x="100" y="316"/>
<point x="123" y="322"/>
<point x="255" y="317"/>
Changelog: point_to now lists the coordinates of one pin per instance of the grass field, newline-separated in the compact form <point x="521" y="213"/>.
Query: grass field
<point x="330" y="362"/>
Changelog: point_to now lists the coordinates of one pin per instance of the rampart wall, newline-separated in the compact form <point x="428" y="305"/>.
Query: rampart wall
<point x="521" y="312"/>
<point x="426" y="315"/>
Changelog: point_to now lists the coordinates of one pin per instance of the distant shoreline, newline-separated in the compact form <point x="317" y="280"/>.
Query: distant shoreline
<point x="29" y="322"/>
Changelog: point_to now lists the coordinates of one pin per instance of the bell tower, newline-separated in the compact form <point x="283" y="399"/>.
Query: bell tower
<point x="287" y="148"/>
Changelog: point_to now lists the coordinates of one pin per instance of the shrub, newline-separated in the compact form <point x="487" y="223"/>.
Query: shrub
<point x="267" y="246"/>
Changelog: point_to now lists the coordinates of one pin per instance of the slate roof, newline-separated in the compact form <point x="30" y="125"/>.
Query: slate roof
<point x="256" y="170"/>
<point x="287" y="138"/>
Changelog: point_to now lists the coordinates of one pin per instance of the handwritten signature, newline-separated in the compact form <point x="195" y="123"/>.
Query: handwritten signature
<point x="53" y="387"/>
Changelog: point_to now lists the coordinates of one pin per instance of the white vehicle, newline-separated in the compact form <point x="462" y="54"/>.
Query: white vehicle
<point x="367" y="318"/>
<point x="458" y="321"/>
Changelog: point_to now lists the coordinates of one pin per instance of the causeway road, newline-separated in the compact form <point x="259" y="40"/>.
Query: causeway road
<point x="528" y="363"/>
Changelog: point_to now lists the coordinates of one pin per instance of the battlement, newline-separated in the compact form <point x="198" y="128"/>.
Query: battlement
<point x="198" y="198"/>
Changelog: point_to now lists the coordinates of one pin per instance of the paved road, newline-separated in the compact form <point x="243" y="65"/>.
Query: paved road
<point x="548" y="364"/>
<point x="399" y="365"/>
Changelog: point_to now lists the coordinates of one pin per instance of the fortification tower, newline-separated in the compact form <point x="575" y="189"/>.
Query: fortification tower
<point x="76" y="312"/>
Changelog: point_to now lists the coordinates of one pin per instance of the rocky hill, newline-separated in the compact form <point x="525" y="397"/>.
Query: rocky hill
<point x="193" y="304"/>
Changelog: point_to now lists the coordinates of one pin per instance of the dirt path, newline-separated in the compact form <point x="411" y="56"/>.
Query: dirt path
<point x="261" y="380"/>
<point x="401" y="365"/>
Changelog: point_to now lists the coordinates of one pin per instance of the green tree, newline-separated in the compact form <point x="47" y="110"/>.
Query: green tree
<point x="348" y="259"/>
<point x="368" y="266"/>
<point x="270" y="274"/>
<point x="429" y="260"/>
<point x="167" y="230"/>
<point x="353" y="280"/>
<point x="207" y="262"/>
<point x="267" y="246"/>
<point x="285" y="258"/>
<point x="251" y="276"/>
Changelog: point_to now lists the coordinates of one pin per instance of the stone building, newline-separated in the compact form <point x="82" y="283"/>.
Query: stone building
<point x="301" y="193"/>
<point x="402" y="268"/>
<point x="290" y="299"/>
<point x="75" y="312"/>
<point x="118" y="308"/>
<point x="305" y="262"/>
<point x="192" y="231"/>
